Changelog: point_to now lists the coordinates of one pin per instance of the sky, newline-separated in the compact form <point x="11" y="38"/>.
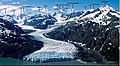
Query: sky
<point x="51" y="3"/>
<point x="15" y="4"/>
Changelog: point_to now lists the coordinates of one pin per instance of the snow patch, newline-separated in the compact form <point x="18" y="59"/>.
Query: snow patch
<point x="115" y="14"/>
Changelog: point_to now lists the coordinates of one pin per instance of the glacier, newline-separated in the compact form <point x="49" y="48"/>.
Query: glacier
<point x="53" y="50"/>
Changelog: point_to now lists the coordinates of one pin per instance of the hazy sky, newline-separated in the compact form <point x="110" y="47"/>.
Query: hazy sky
<point x="51" y="3"/>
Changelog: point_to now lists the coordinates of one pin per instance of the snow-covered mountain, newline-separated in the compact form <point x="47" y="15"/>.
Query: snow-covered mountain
<point x="96" y="29"/>
<point x="99" y="14"/>
<point x="66" y="15"/>
<point x="9" y="18"/>
<point x="41" y="21"/>
<point x="6" y="25"/>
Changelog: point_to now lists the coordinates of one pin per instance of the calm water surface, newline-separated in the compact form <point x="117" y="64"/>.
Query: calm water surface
<point x="10" y="61"/>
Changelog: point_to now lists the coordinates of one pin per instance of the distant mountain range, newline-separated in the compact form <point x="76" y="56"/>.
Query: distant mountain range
<point x="41" y="20"/>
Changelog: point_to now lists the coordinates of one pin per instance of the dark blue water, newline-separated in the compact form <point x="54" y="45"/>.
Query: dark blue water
<point x="10" y="61"/>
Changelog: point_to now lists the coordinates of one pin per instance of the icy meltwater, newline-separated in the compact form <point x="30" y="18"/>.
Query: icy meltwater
<point x="53" y="50"/>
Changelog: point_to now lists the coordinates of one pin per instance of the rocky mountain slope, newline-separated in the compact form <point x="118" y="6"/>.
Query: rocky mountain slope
<point x="97" y="30"/>
<point x="14" y="42"/>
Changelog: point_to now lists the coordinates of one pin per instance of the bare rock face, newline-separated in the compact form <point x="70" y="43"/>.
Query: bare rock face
<point x="14" y="42"/>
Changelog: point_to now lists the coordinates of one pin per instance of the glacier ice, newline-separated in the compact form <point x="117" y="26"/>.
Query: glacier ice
<point x="53" y="50"/>
<point x="49" y="56"/>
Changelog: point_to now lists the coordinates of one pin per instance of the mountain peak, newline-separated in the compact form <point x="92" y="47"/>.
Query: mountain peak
<point x="106" y="8"/>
